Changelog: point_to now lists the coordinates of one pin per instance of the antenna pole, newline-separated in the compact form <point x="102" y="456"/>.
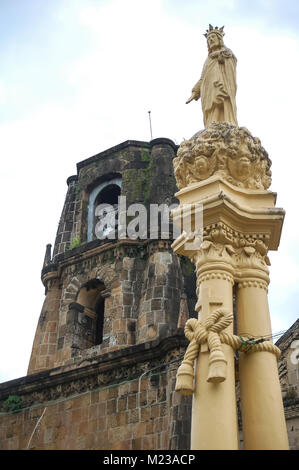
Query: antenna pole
<point x="150" y="121"/>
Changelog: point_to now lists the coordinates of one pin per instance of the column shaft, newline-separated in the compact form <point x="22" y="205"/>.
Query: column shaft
<point x="263" y="418"/>
<point x="214" y="411"/>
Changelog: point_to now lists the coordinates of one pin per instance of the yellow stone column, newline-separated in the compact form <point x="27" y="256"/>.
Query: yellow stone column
<point x="226" y="170"/>
<point x="263" y="420"/>
<point x="214" y="411"/>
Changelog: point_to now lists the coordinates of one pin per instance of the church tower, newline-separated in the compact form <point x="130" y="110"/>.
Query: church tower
<point x="110" y="333"/>
<point x="121" y="290"/>
<point x="103" y="295"/>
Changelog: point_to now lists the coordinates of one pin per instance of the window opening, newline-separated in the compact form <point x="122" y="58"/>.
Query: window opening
<point x="106" y="220"/>
<point x="105" y="193"/>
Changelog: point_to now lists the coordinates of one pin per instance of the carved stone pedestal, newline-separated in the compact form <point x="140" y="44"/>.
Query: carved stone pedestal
<point x="240" y="225"/>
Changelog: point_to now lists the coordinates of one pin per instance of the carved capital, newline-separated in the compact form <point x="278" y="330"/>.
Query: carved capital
<point x="227" y="254"/>
<point x="221" y="244"/>
<point x="225" y="150"/>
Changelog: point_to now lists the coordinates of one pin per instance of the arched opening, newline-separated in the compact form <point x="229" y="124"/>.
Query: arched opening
<point x="103" y="210"/>
<point x="106" y="212"/>
<point x="92" y="320"/>
<point x="108" y="195"/>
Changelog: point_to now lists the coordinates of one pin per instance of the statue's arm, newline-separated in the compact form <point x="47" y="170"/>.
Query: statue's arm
<point x="195" y="92"/>
<point x="226" y="53"/>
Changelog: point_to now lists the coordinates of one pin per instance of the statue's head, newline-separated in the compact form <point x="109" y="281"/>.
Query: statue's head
<point x="214" y="37"/>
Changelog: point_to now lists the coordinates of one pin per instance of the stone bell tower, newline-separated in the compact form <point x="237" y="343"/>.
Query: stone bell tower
<point x="110" y="333"/>
<point x="103" y="295"/>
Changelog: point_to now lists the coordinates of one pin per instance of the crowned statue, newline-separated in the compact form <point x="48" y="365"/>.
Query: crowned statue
<point x="225" y="172"/>
<point x="217" y="86"/>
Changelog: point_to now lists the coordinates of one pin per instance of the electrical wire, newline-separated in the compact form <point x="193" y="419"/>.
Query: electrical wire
<point x="165" y="364"/>
<point x="265" y="337"/>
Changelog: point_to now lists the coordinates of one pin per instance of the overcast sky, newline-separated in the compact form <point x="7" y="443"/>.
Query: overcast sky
<point x="79" y="76"/>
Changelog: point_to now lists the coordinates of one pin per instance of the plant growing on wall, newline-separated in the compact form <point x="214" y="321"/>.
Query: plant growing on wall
<point x="13" y="404"/>
<point x="76" y="243"/>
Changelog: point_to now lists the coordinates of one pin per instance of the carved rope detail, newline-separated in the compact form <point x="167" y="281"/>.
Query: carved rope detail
<point x="211" y="332"/>
<point x="198" y="333"/>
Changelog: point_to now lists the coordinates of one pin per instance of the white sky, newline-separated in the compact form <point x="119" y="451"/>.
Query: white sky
<point x="79" y="76"/>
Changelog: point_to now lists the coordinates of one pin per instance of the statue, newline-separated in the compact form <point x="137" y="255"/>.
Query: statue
<point x="224" y="172"/>
<point x="217" y="85"/>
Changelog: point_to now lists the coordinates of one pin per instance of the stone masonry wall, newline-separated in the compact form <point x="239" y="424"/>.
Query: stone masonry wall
<point x="68" y="228"/>
<point x="96" y="396"/>
<point x="161" y="295"/>
<point x="82" y="412"/>
<point x="111" y="418"/>
<point x="145" y="169"/>
<point x="45" y="342"/>
<point x="143" y="287"/>
<point x="289" y="380"/>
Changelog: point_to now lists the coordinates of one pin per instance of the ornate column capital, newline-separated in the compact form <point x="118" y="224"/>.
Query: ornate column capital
<point x="226" y="150"/>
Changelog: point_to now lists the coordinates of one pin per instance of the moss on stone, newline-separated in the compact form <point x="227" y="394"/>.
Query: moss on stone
<point x="145" y="156"/>
<point x="13" y="404"/>
<point x="187" y="266"/>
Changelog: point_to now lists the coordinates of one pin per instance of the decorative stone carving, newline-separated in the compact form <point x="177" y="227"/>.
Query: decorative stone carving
<point x="253" y="283"/>
<point x="238" y="253"/>
<point x="214" y="275"/>
<point x="225" y="150"/>
<point x="94" y="373"/>
<point x="225" y="170"/>
<point x="221" y="243"/>
<point x="211" y="332"/>
<point x="217" y="86"/>
<point x="198" y="333"/>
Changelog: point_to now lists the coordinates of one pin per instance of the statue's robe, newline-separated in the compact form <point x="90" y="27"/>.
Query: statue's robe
<point x="217" y="87"/>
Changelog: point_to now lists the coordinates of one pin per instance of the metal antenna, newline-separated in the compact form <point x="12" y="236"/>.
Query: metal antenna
<point x="150" y="121"/>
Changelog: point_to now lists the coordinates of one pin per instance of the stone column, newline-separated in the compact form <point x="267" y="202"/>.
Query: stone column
<point x="214" y="412"/>
<point x="263" y="420"/>
<point x="226" y="170"/>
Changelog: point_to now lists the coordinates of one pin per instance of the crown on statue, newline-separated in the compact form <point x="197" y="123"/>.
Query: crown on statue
<point x="215" y="30"/>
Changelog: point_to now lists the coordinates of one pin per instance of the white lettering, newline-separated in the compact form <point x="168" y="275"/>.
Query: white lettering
<point x="152" y="460"/>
